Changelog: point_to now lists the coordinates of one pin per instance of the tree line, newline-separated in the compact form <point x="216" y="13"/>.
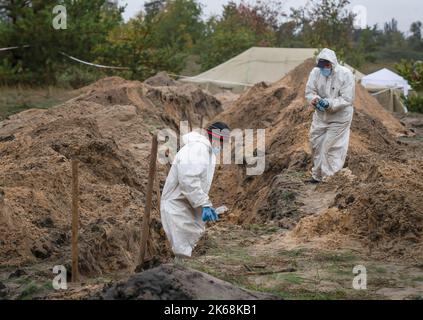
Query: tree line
<point x="167" y="34"/>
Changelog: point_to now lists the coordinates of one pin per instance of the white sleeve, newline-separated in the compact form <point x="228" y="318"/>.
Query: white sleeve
<point x="193" y="166"/>
<point x="311" y="90"/>
<point x="347" y="94"/>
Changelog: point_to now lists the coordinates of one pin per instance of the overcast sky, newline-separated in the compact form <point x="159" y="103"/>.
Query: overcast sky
<point x="378" y="11"/>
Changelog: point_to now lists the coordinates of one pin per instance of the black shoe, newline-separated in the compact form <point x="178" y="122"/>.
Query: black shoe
<point x="313" y="181"/>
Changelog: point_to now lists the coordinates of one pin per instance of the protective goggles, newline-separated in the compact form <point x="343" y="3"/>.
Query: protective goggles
<point x="323" y="63"/>
<point x="217" y="134"/>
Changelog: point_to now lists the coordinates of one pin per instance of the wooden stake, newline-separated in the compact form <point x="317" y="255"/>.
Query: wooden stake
<point x="158" y="191"/>
<point x="189" y="120"/>
<point x="75" y="221"/>
<point x="146" y="221"/>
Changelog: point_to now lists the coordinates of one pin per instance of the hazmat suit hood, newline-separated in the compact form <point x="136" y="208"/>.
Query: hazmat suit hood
<point x="193" y="137"/>
<point x="329" y="55"/>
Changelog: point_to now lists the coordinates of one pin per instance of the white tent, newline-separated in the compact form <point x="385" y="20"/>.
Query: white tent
<point x="253" y="66"/>
<point x="385" y="79"/>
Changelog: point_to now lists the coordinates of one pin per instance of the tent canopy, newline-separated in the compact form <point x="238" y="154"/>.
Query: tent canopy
<point x="385" y="79"/>
<point x="253" y="66"/>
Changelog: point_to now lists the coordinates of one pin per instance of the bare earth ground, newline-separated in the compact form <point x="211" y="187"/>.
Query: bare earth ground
<point x="262" y="258"/>
<point x="280" y="236"/>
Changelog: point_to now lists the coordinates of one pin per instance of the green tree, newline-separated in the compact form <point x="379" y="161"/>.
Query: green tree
<point x="152" y="8"/>
<point x="327" y="23"/>
<point x="155" y="42"/>
<point x="179" y="25"/>
<point x="240" y="27"/>
<point x="413" y="72"/>
<point x="30" y="23"/>
<point x="416" y="35"/>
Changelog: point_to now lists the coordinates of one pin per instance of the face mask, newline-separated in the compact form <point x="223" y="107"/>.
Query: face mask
<point x="216" y="150"/>
<point x="326" y="72"/>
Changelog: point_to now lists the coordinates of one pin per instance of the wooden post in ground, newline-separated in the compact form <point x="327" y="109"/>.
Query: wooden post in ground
<point x="189" y="120"/>
<point x="146" y="220"/>
<point x="75" y="221"/>
<point x="158" y="191"/>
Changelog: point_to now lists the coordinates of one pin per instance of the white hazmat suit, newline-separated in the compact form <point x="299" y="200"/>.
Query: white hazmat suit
<point x="330" y="130"/>
<point x="186" y="193"/>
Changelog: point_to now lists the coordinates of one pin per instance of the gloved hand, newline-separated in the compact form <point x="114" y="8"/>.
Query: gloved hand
<point x="322" y="105"/>
<point x="209" y="214"/>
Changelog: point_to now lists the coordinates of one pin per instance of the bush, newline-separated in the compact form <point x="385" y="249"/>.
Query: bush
<point x="77" y="76"/>
<point x="414" y="103"/>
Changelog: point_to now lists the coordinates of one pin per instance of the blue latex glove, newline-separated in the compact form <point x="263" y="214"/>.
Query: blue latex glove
<point x="209" y="214"/>
<point x="322" y="105"/>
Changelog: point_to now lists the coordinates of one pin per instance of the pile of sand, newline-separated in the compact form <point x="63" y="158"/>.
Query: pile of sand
<point x="386" y="188"/>
<point x="108" y="128"/>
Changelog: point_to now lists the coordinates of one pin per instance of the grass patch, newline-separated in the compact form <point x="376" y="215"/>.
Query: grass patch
<point x="288" y="196"/>
<point x="332" y="257"/>
<point x="260" y="229"/>
<point x="341" y="270"/>
<point x="33" y="289"/>
<point x="17" y="99"/>
<point x="297" y="174"/>
<point x="379" y="270"/>
<point x="296" y="253"/>
<point x="289" y="277"/>
<point x="21" y="280"/>
<point x="29" y="291"/>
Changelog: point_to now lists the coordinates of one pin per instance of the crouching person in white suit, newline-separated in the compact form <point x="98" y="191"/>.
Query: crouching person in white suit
<point x="185" y="204"/>
<point x="331" y="91"/>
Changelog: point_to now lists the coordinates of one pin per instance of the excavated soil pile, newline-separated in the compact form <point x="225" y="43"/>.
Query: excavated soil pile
<point x="108" y="129"/>
<point x="380" y="205"/>
<point x="170" y="282"/>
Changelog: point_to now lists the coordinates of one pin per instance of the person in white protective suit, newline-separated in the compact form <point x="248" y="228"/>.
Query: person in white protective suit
<point x="331" y="91"/>
<point x="185" y="204"/>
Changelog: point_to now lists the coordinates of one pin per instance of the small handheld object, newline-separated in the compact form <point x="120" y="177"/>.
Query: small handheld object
<point x="222" y="210"/>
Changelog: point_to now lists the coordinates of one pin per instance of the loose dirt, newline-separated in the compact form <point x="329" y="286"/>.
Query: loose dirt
<point x="377" y="201"/>
<point x="108" y="128"/>
<point x="372" y="208"/>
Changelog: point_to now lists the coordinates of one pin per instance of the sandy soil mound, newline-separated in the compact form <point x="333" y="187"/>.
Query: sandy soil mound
<point x="386" y="186"/>
<point x="170" y="282"/>
<point x="108" y="129"/>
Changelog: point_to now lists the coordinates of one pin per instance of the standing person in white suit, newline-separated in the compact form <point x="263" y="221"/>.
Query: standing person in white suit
<point x="185" y="204"/>
<point x="331" y="91"/>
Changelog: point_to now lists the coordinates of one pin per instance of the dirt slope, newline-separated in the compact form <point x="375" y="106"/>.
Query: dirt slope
<point x="380" y="205"/>
<point x="108" y="129"/>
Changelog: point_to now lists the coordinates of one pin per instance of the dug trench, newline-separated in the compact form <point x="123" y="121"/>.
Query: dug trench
<point x="108" y="128"/>
<point x="280" y="236"/>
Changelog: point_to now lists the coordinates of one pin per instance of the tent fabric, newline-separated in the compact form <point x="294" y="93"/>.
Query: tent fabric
<point x="253" y="66"/>
<point x="390" y="99"/>
<point x="384" y="79"/>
